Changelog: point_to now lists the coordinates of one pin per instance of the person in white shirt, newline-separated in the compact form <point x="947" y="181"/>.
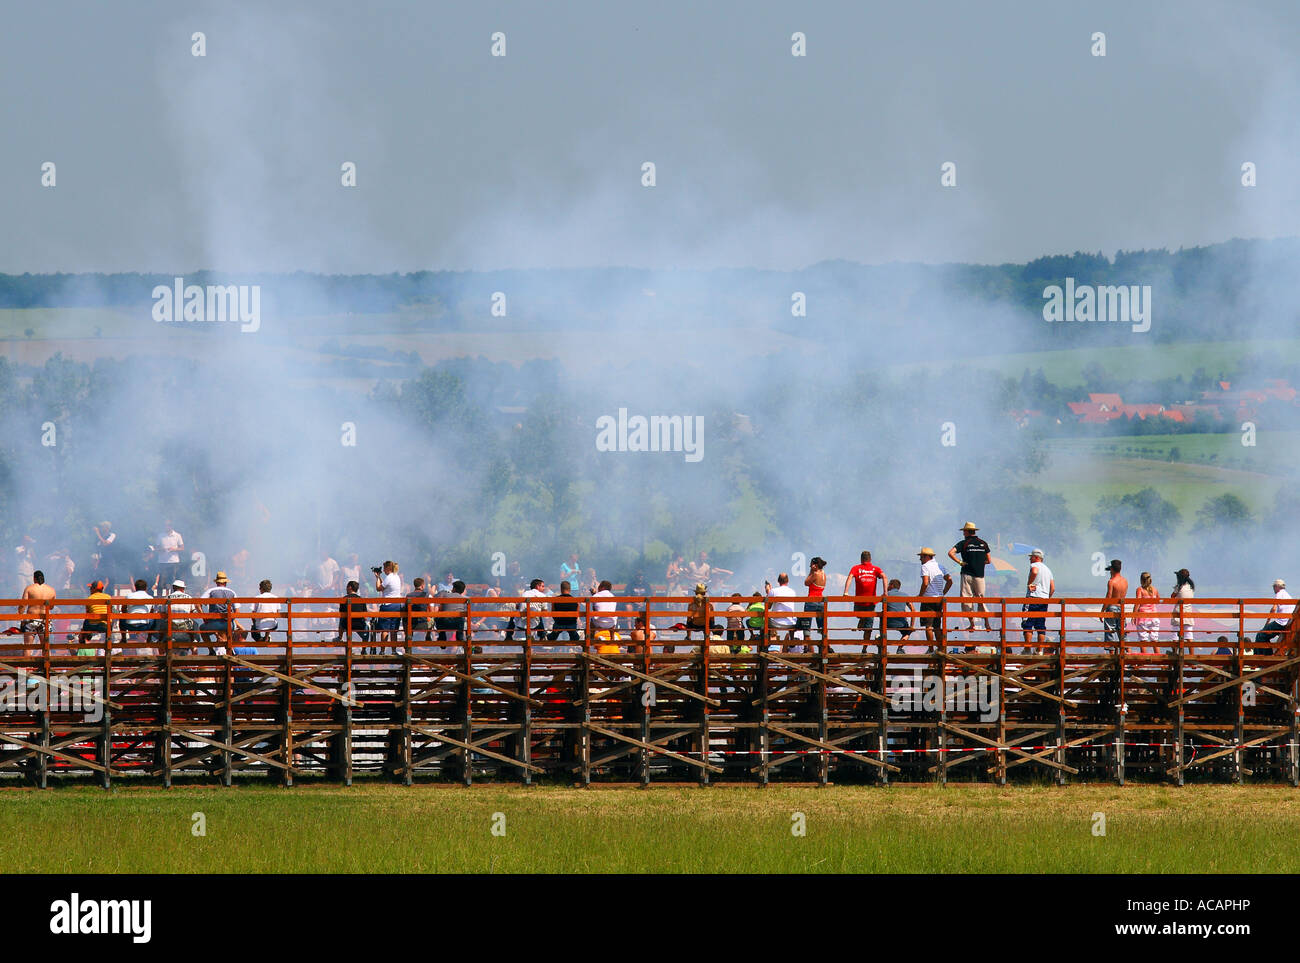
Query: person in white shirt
<point x="132" y="624"/>
<point x="781" y="594"/>
<point x="604" y="626"/>
<point x="327" y="575"/>
<point x="183" y="624"/>
<point x="1040" y="585"/>
<point x="1282" y="610"/>
<point x="170" y="546"/>
<point x="536" y="590"/>
<point x="25" y="558"/>
<point x="388" y="582"/>
<point x="61" y="567"/>
<point x="603" y="602"/>
<point x="935" y="583"/>
<point x="264" y="611"/>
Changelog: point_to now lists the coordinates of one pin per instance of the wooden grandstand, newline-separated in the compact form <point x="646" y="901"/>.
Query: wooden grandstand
<point x="303" y="704"/>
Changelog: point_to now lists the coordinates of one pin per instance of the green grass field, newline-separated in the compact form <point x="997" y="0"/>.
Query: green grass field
<point x="437" y="829"/>
<point x="1082" y="471"/>
<point x="1270" y="455"/>
<point x="1141" y="360"/>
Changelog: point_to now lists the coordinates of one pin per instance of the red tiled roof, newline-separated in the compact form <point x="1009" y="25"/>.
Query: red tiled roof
<point x="1141" y="410"/>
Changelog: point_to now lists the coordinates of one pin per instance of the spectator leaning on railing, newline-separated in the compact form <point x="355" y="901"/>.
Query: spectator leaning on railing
<point x="1040" y="585"/>
<point x="1281" y="611"/>
<point x="35" y="607"/>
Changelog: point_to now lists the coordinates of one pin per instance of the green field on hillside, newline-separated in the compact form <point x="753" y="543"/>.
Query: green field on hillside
<point x="1083" y="471"/>
<point x="1270" y="455"/>
<point x="428" y="829"/>
<point x="1142" y="360"/>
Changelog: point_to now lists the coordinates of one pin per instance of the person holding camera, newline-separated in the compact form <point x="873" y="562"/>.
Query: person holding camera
<point x="388" y="583"/>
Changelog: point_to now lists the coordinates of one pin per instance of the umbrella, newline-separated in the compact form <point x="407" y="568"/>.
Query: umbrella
<point x="1001" y="564"/>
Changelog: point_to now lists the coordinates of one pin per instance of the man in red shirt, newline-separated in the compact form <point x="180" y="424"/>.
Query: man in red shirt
<point x="867" y="581"/>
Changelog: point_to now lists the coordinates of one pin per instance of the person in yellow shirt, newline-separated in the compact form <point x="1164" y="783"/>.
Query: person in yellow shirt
<point x="96" y="620"/>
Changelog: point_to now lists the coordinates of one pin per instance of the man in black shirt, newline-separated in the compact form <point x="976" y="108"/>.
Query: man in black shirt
<point x="420" y="610"/>
<point x="352" y="617"/>
<point x="974" y="554"/>
<point x="566" y="623"/>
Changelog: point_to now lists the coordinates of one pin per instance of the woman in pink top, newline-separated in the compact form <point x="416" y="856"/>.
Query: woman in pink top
<point x="1144" y="616"/>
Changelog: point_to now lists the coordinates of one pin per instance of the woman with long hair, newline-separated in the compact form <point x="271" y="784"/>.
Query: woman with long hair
<point x="1184" y="591"/>
<point x="1144" y="615"/>
<point x="816" y="585"/>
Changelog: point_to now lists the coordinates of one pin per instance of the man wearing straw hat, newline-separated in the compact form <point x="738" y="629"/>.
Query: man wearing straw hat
<point x="973" y="553"/>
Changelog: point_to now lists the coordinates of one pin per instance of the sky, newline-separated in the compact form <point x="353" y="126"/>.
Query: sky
<point x="170" y="162"/>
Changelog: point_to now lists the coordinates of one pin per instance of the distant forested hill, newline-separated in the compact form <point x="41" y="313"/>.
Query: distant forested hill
<point x="1227" y="291"/>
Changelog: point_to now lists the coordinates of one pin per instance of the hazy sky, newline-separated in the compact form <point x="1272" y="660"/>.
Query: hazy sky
<point x="170" y="162"/>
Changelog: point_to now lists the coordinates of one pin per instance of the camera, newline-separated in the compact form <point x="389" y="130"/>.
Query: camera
<point x="376" y="569"/>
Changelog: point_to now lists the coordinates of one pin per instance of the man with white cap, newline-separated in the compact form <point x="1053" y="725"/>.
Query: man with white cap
<point x="1282" y="609"/>
<point x="1040" y="585"/>
<point x="935" y="583"/>
<point x="183" y="624"/>
<point x="973" y="554"/>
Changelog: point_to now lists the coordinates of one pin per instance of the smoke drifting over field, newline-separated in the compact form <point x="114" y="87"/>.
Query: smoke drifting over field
<point x="814" y="440"/>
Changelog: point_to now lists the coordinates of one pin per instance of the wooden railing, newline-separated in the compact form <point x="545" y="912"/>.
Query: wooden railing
<point x="490" y="688"/>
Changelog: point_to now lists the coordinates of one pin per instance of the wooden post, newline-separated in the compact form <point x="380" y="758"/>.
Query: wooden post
<point x="1000" y="758"/>
<point x="165" y="719"/>
<point x="941" y="768"/>
<point x="526" y="719"/>
<point x="1121" y="710"/>
<point x="643" y="755"/>
<point x="286" y="711"/>
<point x="882" y="705"/>
<point x="42" y="759"/>
<point x="703" y="708"/>
<point x="467" y="720"/>
<point x="344" y="710"/>
<point x="1179" y="720"/>
<point x="1293" y="750"/>
<point x="106" y="729"/>
<point x="1060" y="691"/>
<point x="584" y="687"/>
<point x="228" y="724"/>
<point x="823" y="720"/>
<point x="765" y="712"/>
<point x="1239" y="730"/>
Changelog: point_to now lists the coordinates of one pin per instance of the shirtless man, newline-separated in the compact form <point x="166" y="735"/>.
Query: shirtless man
<point x="36" y="605"/>
<point x="644" y="634"/>
<point x="1116" y="592"/>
